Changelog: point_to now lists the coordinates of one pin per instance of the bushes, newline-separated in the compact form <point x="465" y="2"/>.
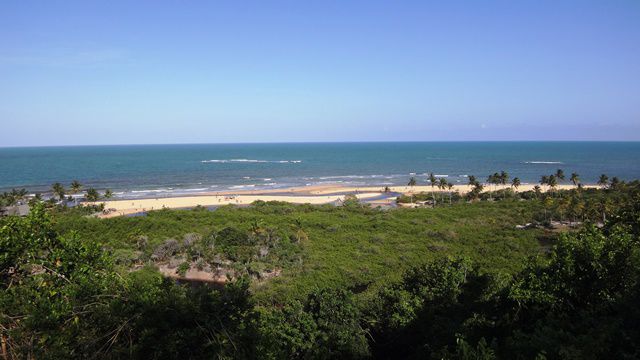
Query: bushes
<point x="579" y="302"/>
<point x="231" y="236"/>
<point x="165" y="250"/>
<point x="325" y="326"/>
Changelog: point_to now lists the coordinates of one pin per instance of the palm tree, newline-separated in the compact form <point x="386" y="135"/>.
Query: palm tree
<point x="504" y="177"/>
<point x="605" y="206"/>
<point x="432" y="180"/>
<point x="563" y="207"/>
<point x="615" y="182"/>
<point x="472" y="180"/>
<point x="575" y="179"/>
<point x="75" y="186"/>
<point x="474" y="193"/>
<point x="450" y="187"/>
<point x="544" y="180"/>
<point x="92" y="195"/>
<point x="442" y="184"/>
<point x="412" y="183"/>
<point x="552" y="182"/>
<point x="576" y="209"/>
<point x="537" y="190"/>
<point x="493" y="179"/>
<point x="603" y="181"/>
<point x="560" y="174"/>
<point x="58" y="190"/>
<point x="108" y="194"/>
<point x="548" y="205"/>
<point x="515" y="183"/>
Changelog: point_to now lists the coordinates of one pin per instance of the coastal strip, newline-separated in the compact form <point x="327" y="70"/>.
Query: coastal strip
<point x="316" y="195"/>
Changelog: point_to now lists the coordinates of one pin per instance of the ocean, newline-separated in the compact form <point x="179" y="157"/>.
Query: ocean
<point x="167" y="170"/>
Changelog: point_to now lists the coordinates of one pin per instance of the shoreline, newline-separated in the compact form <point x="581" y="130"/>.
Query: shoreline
<point x="316" y="195"/>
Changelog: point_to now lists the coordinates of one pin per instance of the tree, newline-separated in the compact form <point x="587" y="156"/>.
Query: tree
<point x="475" y="190"/>
<point x="432" y="180"/>
<point x="570" y="306"/>
<point x="544" y="180"/>
<point x="515" y="183"/>
<point x="108" y="194"/>
<point x="560" y="175"/>
<point x="442" y="184"/>
<point x="55" y="290"/>
<point x="472" y="180"/>
<point x="548" y="205"/>
<point x="615" y="183"/>
<point x="493" y="179"/>
<point x="575" y="179"/>
<point x="412" y="318"/>
<point x="605" y="206"/>
<point x="537" y="190"/>
<point x="75" y="186"/>
<point x="412" y="183"/>
<point x="92" y="195"/>
<point x="504" y="177"/>
<point x="450" y="187"/>
<point x="58" y="190"/>
<point x="603" y="181"/>
<point x="552" y="182"/>
<point x="325" y="326"/>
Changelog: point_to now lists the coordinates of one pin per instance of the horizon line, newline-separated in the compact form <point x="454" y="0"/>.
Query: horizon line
<point x="321" y="142"/>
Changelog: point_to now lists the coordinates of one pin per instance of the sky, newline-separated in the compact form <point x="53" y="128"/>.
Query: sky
<point x="139" y="72"/>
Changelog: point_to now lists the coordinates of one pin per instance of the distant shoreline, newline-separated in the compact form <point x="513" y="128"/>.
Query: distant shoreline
<point x="317" y="195"/>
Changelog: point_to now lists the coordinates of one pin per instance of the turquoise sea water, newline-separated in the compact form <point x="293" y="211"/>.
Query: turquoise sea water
<point x="164" y="170"/>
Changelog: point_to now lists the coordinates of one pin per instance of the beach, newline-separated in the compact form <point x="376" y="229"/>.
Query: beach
<point x="317" y="195"/>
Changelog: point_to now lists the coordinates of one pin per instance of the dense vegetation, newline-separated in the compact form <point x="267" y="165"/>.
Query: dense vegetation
<point x="458" y="281"/>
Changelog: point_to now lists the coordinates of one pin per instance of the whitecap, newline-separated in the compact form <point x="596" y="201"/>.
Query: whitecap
<point x="224" y="161"/>
<point x="149" y="191"/>
<point x="543" y="162"/>
<point x="242" y="186"/>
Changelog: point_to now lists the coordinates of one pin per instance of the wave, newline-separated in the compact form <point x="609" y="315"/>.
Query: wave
<point x="543" y="162"/>
<point x="150" y="191"/>
<point x="242" y="186"/>
<point x="225" y="161"/>
<point x="350" y="177"/>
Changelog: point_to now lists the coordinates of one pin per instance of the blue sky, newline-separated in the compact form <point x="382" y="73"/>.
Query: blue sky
<point x="115" y="72"/>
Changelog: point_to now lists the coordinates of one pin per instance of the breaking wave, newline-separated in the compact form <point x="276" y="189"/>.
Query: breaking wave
<point x="225" y="161"/>
<point x="543" y="162"/>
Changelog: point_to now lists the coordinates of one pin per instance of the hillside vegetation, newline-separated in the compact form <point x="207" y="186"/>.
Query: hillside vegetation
<point x="504" y="278"/>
